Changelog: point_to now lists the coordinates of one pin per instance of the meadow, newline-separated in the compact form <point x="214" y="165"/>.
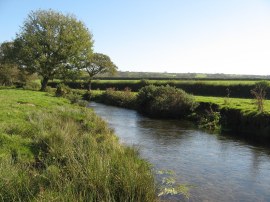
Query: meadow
<point x="51" y="150"/>
<point x="217" y="88"/>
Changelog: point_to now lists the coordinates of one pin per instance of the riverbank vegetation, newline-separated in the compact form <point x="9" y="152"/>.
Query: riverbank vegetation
<point x="225" y="113"/>
<point x="218" y="88"/>
<point x="52" y="150"/>
<point x="165" y="102"/>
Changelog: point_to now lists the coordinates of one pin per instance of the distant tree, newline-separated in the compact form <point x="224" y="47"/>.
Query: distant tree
<point x="97" y="64"/>
<point x="50" y="43"/>
<point x="9" y="71"/>
<point x="259" y="93"/>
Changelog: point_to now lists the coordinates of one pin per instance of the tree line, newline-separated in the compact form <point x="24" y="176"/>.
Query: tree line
<point x="51" y="44"/>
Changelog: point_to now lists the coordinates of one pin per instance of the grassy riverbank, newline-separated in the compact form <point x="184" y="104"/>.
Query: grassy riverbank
<point x="244" y="105"/>
<point x="51" y="150"/>
<point x="232" y="114"/>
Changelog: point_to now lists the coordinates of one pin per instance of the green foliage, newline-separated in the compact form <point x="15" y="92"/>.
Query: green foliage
<point x="144" y="83"/>
<point x="165" y="101"/>
<point x="8" y="75"/>
<point x="98" y="63"/>
<point x="74" y="96"/>
<point x="210" y="120"/>
<point x="62" y="90"/>
<point x="169" y="186"/>
<point x="61" y="152"/>
<point x="11" y="75"/>
<point x="227" y="98"/>
<point x="87" y="95"/>
<point x="238" y="88"/>
<point x="32" y="85"/>
<point x="125" y="98"/>
<point x="50" y="43"/>
<point x="259" y="93"/>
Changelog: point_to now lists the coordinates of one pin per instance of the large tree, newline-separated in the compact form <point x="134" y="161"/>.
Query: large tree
<point x="98" y="63"/>
<point x="51" y="42"/>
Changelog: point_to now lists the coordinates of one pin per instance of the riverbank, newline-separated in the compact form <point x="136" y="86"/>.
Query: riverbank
<point x="235" y="115"/>
<point x="216" y="167"/>
<point x="218" y="88"/>
<point x="52" y="150"/>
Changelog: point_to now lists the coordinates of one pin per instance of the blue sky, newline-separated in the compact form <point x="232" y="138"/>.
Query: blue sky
<point x="203" y="36"/>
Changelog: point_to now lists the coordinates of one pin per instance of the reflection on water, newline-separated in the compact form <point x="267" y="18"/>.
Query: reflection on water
<point x="220" y="168"/>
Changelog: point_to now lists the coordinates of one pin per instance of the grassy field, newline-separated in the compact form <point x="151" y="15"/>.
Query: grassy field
<point x="210" y="82"/>
<point x="51" y="150"/>
<point x="245" y="105"/>
<point x="184" y="81"/>
<point x="216" y="88"/>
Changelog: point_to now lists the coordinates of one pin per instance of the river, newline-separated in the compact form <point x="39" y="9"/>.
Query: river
<point x="218" y="168"/>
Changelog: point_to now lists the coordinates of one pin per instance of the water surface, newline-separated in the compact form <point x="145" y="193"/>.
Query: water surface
<point x="220" y="168"/>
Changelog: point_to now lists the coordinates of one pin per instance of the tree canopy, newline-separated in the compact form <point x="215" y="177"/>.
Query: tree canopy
<point x="99" y="63"/>
<point x="51" y="42"/>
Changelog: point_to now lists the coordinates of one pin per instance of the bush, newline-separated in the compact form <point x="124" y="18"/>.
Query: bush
<point x="62" y="90"/>
<point x="74" y="97"/>
<point x="210" y="120"/>
<point x="165" y="102"/>
<point x="32" y="85"/>
<point x="259" y="93"/>
<point x="87" y="95"/>
<point x="125" y="98"/>
<point x="10" y="75"/>
<point x="50" y="90"/>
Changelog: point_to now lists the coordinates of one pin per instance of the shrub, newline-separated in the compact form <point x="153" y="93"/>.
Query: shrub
<point x="210" y="120"/>
<point x="165" y="101"/>
<point x="50" y="90"/>
<point x="62" y="90"/>
<point x="74" y="97"/>
<point x="144" y="82"/>
<point x="87" y="95"/>
<point x="32" y="85"/>
<point x="259" y="93"/>
<point x="10" y="75"/>
<point x="124" y="98"/>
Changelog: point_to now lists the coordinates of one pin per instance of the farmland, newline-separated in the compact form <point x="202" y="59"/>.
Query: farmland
<point x="216" y="88"/>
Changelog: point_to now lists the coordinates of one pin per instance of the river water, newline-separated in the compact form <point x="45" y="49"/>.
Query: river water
<point x="218" y="168"/>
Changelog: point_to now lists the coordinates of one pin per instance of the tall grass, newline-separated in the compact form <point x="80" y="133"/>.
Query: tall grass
<point x="72" y="156"/>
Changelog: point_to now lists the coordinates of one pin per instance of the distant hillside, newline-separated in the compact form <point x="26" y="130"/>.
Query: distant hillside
<point x="149" y="75"/>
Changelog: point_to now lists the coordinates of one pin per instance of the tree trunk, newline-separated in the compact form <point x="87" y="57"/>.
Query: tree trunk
<point x="44" y="83"/>
<point x="89" y="84"/>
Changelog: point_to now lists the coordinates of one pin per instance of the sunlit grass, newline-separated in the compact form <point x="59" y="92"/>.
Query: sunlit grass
<point x="245" y="105"/>
<point x="51" y="150"/>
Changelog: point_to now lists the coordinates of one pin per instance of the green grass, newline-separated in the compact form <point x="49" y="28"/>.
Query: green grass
<point x="51" y="150"/>
<point x="245" y="105"/>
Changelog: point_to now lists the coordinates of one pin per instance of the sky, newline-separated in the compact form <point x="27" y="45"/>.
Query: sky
<point x="181" y="36"/>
